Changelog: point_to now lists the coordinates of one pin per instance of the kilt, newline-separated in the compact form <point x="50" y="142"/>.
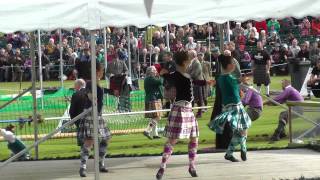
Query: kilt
<point x="199" y="93"/>
<point x="170" y="93"/>
<point x="86" y="128"/>
<point x="181" y="122"/>
<point x="153" y="105"/>
<point x="235" y="115"/>
<point x="260" y="75"/>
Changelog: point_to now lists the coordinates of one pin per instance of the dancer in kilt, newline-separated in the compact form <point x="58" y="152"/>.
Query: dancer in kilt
<point x="153" y="89"/>
<point x="181" y="121"/>
<point x="85" y="132"/>
<point x="261" y="68"/>
<point x="233" y="111"/>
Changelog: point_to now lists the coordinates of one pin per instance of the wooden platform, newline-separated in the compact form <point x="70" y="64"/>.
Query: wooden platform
<point x="261" y="165"/>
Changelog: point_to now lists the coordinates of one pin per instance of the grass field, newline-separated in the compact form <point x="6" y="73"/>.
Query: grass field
<point x="137" y="144"/>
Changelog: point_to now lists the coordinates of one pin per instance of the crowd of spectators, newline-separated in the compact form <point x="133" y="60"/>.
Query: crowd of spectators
<point x="283" y="39"/>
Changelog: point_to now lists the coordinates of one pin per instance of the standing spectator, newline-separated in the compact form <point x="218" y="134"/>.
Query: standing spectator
<point x="279" y="56"/>
<point x="288" y="94"/>
<point x="304" y="52"/>
<point x="117" y="72"/>
<point x="261" y="26"/>
<point x="315" y="26"/>
<point x="190" y="45"/>
<point x="294" y="49"/>
<point x="206" y="71"/>
<point x="273" y="25"/>
<point x="195" y="71"/>
<point x="3" y="65"/>
<point x="261" y="68"/>
<point x="305" y="27"/>
<point x="248" y="29"/>
<point x="9" y="50"/>
<point x="154" y="93"/>
<point x="235" y="53"/>
<point x="16" y="61"/>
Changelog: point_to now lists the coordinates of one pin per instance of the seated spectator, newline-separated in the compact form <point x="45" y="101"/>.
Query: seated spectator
<point x="240" y="40"/>
<point x="314" y="81"/>
<point x="279" y="56"/>
<point x="191" y="45"/>
<point x="305" y="27"/>
<point x="290" y="37"/>
<point x="9" y="49"/>
<point x="3" y="65"/>
<point x="252" y="40"/>
<point x="286" y="25"/>
<point x="263" y="37"/>
<point x="238" y="30"/>
<point x="314" y="53"/>
<point x="273" y="25"/>
<point x="111" y="53"/>
<point x="248" y="29"/>
<point x="273" y="39"/>
<point x="16" y="61"/>
<point x="157" y="39"/>
<point x="315" y="26"/>
<point x="294" y="49"/>
<point x="245" y="60"/>
<point x="304" y="52"/>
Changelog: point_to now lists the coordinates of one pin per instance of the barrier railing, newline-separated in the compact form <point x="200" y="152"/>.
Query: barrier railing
<point x="304" y="128"/>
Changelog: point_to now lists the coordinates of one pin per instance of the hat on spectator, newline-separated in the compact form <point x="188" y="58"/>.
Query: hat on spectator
<point x="158" y="67"/>
<point x="200" y="53"/>
<point x="215" y="49"/>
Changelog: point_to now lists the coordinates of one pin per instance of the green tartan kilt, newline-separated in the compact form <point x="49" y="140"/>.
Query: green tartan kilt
<point x="235" y="114"/>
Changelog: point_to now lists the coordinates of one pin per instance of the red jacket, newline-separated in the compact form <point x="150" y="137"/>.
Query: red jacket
<point x="262" y="25"/>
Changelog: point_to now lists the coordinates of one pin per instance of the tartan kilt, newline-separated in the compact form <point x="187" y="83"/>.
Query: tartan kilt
<point x="86" y="128"/>
<point x="260" y="75"/>
<point x="235" y="114"/>
<point x="199" y="93"/>
<point x="153" y="105"/>
<point x="170" y="93"/>
<point x="181" y="122"/>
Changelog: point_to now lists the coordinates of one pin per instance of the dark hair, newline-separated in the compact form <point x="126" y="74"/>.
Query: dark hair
<point x="167" y="54"/>
<point x="10" y="127"/>
<point x="180" y="57"/>
<point x="225" y="61"/>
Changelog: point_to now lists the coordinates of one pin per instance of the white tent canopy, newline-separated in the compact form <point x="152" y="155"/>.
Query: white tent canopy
<point x="94" y="14"/>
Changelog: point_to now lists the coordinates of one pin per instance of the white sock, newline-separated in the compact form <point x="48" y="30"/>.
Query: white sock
<point x="155" y="130"/>
<point x="267" y="89"/>
<point x="259" y="89"/>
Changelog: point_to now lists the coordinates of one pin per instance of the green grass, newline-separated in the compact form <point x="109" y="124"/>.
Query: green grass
<point x="137" y="144"/>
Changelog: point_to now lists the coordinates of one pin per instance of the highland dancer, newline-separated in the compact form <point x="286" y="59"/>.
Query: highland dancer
<point x="181" y="121"/>
<point x="233" y="111"/>
<point x="153" y="88"/>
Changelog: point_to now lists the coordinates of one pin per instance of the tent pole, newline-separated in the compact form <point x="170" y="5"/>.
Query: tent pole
<point x="34" y="77"/>
<point x="94" y="103"/>
<point x="167" y="38"/>
<point x="228" y="31"/>
<point x="61" y="60"/>
<point x="105" y="53"/>
<point x="129" y="51"/>
<point x="40" y="67"/>
<point x="221" y="37"/>
<point x="209" y="44"/>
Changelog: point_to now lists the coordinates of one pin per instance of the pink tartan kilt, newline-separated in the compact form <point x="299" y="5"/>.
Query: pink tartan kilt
<point x="170" y="93"/>
<point x="181" y="122"/>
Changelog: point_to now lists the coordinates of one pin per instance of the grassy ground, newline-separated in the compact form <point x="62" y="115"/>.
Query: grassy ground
<point x="137" y="144"/>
